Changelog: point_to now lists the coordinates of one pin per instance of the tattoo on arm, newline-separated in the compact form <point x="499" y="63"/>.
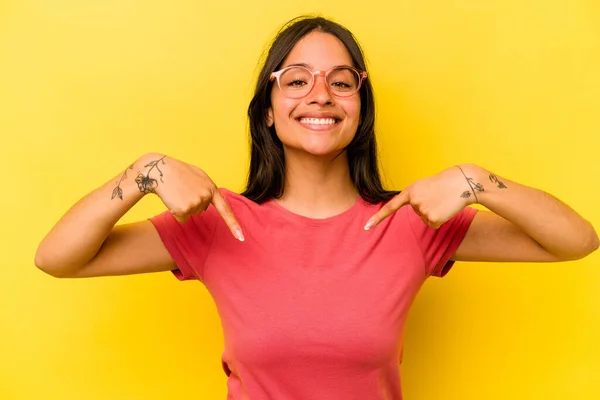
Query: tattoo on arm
<point x="117" y="191"/>
<point x="145" y="183"/>
<point x="497" y="181"/>
<point x="475" y="187"/>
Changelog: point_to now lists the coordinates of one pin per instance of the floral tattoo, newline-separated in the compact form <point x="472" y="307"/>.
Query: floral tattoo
<point x="146" y="184"/>
<point x="117" y="191"/>
<point x="478" y="187"/>
<point x="497" y="181"/>
<point x="475" y="187"/>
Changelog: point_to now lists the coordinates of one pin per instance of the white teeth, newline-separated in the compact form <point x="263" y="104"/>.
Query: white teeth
<point x="318" y="121"/>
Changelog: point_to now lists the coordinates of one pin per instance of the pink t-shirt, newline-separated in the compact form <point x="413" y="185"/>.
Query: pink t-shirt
<point x="311" y="308"/>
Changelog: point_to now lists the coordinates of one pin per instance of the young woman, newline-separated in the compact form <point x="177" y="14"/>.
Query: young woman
<point x="313" y="268"/>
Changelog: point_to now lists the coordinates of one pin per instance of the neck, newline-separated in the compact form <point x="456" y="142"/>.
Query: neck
<point x="317" y="187"/>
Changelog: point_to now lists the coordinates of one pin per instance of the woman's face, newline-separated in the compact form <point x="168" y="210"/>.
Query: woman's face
<point x="319" y="123"/>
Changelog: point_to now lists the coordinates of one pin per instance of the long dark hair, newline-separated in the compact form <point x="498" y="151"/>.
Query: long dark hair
<point x="267" y="164"/>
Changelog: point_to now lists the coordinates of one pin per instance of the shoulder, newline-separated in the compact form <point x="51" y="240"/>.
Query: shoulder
<point x="244" y="208"/>
<point x="231" y="195"/>
<point x="236" y="200"/>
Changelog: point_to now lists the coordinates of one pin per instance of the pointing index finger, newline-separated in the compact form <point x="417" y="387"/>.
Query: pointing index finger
<point x="388" y="209"/>
<point x="225" y="211"/>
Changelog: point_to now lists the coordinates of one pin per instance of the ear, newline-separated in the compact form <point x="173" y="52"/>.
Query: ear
<point x="270" y="119"/>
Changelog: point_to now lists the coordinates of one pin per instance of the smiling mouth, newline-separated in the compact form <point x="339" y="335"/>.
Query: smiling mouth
<point x="318" y="123"/>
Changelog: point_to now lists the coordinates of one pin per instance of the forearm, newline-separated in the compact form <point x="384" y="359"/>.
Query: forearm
<point x="555" y="226"/>
<point x="79" y="234"/>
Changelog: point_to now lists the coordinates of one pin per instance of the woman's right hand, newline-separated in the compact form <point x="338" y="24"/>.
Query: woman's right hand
<point x="185" y="189"/>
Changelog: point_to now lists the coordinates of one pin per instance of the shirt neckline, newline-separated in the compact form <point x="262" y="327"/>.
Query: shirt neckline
<point x="344" y="215"/>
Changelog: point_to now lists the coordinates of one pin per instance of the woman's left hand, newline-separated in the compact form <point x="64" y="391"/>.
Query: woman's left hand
<point x="435" y="199"/>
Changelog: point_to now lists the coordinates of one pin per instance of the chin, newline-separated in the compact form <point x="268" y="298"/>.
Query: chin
<point x="320" y="152"/>
<point x="322" y="149"/>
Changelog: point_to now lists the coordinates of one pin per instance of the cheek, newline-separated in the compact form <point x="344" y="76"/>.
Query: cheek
<point x="282" y="108"/>
<point x="352" y="110"/>
<point x="284" y="125"/>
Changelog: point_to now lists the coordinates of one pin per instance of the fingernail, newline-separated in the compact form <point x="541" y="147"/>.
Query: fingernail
<point x="239" y="235"/>
<point x="369" y="225"/>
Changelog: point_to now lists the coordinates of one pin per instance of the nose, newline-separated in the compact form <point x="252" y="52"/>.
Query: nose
<point x="320" y="93"/>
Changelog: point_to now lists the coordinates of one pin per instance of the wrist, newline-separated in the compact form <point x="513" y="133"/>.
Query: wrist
<point x="474" y="178"/>
<point x="148" y="172"/>
<point x="486" y="184"/>
<point x="126" y="187"/>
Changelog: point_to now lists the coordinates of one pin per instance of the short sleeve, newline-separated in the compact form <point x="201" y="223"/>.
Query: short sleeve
<point x="439" y="245"/>
<point x="188" y="243"/>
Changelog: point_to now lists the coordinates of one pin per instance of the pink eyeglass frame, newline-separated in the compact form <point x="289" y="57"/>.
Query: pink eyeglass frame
<point x="277" y="74"/>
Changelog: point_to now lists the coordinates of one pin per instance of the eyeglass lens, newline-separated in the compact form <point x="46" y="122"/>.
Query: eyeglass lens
<point x="297" y="81"/>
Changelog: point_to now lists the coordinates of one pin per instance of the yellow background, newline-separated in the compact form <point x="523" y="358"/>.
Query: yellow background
<point x="88" y="86"/>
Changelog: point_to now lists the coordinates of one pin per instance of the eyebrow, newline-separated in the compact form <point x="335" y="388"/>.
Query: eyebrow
<point x="305" y="65"/>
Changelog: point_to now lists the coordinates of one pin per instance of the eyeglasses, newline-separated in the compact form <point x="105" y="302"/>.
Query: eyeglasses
<point x="296" y="81"/>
